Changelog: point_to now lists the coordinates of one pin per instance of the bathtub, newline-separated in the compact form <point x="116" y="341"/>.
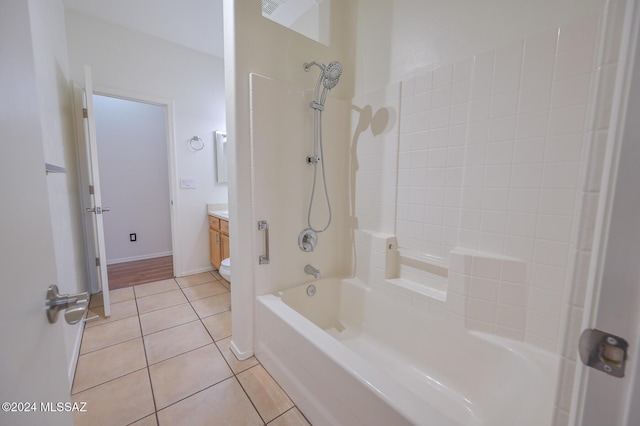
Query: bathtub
<point x="350" y="354"/>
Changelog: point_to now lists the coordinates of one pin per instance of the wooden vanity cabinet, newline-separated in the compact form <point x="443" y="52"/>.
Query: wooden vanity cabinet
<point x="218" y="240"/>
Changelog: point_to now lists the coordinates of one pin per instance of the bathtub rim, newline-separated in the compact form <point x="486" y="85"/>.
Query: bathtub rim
<point x="407" y="405"/>
<point x="534" y="357"/>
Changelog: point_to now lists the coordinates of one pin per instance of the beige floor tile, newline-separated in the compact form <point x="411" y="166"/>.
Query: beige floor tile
<point x="162" y="319"/>
<point x="175" y="341"/>
<point x="267" y="396"/>
<point x="222" y="404"/>
<point x="112" y="333"/>
<point x="195" y="279"/>
<point x="235" y="364"/>
<point x="212" y="305"/>
<point x="147" y="421"/>
<point x="219" y="325"/>
<point x="119" y="311"/>
<point x="204" y="290"/>
<point x="118" y="402"/>
<point x="160" y="301"/>
<point x="293" y="417"/>
<point x="106" y="364"/>
<point x="96" y="300"/>
<point x="121" y="294"/>
<point x="142" y="290"/>
<point x="216" y="275"/>
<point x="116" y="296"/>
<point x="186" y="374"/>
<point x="225" y="283"/>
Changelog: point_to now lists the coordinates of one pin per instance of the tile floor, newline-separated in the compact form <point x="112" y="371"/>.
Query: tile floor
<point x="163" y="358"/>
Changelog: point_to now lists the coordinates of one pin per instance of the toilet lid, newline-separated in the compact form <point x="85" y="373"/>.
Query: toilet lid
<point x="226" y="263"/>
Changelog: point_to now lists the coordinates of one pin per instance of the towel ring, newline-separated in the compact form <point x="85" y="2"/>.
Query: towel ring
<point x="196" y="143"/>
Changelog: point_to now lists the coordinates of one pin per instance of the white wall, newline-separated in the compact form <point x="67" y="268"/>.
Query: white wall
<point x="282" y="199"/>
<point x="254" y="44"/>
<point x="127" y="62"/>
<point x="134" y="178"/>
<point x="396" y="38"/>
<point x="54" y="92"/>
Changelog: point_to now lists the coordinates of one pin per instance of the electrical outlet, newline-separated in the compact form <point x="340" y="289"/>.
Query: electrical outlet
<point x="133" y="237"/>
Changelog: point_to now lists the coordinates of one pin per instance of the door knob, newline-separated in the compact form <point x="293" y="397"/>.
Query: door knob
<point x="74" y="305"/>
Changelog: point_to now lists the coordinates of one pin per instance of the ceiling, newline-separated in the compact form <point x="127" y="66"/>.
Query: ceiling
<point x="196" y="24"/>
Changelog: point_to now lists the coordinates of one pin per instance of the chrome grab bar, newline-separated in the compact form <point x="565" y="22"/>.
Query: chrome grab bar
<point x="264" y="258"/>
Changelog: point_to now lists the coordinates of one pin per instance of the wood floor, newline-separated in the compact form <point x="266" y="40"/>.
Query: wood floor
<point x="139" y="272"/>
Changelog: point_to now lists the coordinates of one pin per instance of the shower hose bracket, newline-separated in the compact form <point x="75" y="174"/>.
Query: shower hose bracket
<point x="313" y="159"/>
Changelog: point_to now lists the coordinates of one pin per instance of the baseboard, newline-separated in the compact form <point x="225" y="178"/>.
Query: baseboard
<point x="76" y="352"/>
<point x="135" y="258"/>
<point x="194" y="271"/>
<point x="238" y="353"/>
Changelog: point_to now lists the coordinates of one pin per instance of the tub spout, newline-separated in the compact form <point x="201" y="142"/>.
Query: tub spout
<point x="312" y="271"/>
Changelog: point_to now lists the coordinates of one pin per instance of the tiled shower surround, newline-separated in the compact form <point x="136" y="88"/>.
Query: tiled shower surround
<point x="496" y="178"/>
<point x="472" y="188"/>
<point x="497" y="175"/>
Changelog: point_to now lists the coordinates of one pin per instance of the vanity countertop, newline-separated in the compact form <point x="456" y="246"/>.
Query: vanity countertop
<point x="220" y="214"/>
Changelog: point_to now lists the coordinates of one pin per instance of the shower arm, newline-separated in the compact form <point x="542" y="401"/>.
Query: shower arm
<point x="316" y="104"/>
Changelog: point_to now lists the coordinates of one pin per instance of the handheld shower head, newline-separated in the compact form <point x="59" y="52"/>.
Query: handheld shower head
<point x="332" y="73"/>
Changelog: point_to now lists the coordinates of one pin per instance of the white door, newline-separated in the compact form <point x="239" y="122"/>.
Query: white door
<point x="33" y="365"/>
<point x="600" y="399"/>
<point x="90" y="190"/>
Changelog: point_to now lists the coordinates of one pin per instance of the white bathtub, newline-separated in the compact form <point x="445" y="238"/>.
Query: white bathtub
<point x="350" y="355"/>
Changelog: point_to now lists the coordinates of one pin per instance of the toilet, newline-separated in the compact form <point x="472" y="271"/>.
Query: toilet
<point x="225" y="269"/>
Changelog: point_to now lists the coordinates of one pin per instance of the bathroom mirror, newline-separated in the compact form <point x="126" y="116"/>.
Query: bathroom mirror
<point x="220" y="139"/>
<point x="307" y="17"/>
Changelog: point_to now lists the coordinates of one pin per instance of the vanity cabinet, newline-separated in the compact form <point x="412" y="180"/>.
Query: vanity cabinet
<point x="218" y="240"/>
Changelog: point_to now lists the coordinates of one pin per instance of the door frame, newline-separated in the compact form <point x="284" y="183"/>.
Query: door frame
<point x="628" y="57"/>
<point x="168" y="105"/>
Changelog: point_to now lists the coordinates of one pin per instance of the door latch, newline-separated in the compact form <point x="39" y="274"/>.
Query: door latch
<point x="603" y="351"/>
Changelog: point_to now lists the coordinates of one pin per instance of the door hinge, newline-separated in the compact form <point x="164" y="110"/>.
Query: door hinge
<point x="85" y="113"/>
<point x="97" y="261"/>
<point x="603" y="351"/>
<point x="91" y="190"/>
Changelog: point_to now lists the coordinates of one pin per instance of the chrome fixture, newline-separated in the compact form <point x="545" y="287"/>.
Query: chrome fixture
<point x="74" y="305"/>
<point x="307" y="240"/>
<point x="328" y="79"/>
<point x="311" y="290"/>
<point x="263" y="259"/>
<point x="312" y="271"/>
<point x="196" y="143"/>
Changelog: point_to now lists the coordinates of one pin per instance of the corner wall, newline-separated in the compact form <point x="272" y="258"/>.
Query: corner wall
<point x="124" y="61"/>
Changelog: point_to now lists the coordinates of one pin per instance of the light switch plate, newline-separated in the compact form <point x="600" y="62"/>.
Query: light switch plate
<point x="187" y="182"/>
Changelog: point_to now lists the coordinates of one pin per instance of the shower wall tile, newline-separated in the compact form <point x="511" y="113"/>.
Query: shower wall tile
<point x="500" y="157"/>
<point x="521" y="118"/>
<point x="539" y="58"/>
<point x="576" y="48"/>
<point x="374" y="173"/>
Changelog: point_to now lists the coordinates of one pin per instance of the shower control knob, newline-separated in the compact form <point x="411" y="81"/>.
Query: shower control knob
<point x="307" y="240"/>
